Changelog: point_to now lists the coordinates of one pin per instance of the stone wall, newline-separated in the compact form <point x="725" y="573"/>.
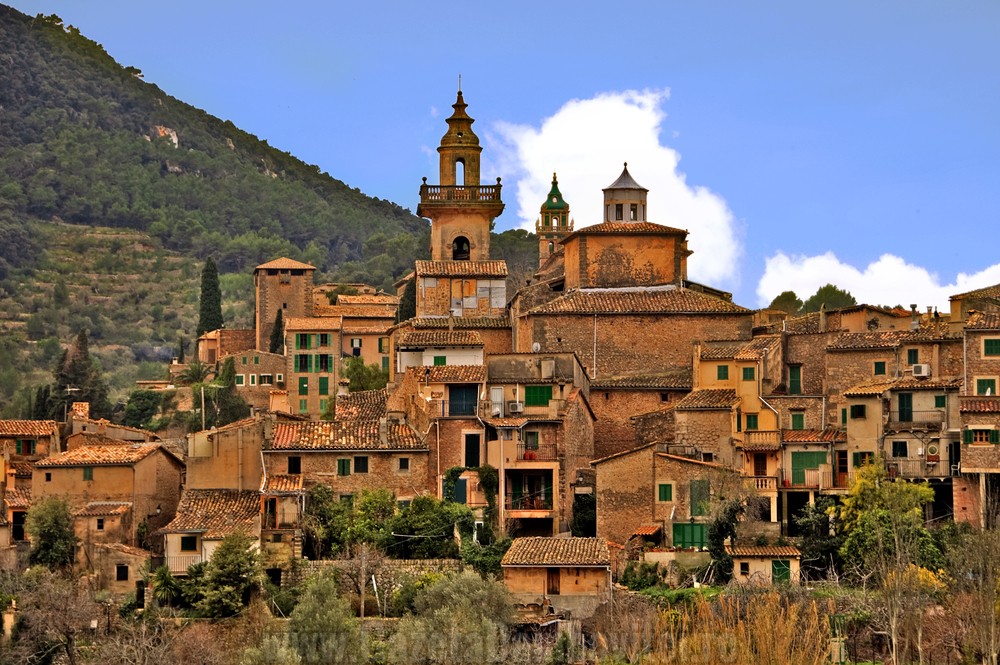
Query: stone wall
<point x="708" y="431"/>
<point x="624" y="494"/>
<point x="321" y="467"/>
<point x="615" y="409"/>
<point x="389" y="573"/>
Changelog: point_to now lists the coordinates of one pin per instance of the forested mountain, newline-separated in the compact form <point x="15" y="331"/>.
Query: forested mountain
<point x="85" y="140"/>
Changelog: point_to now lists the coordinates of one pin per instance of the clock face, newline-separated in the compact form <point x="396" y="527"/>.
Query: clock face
<point x="554" y="199"/>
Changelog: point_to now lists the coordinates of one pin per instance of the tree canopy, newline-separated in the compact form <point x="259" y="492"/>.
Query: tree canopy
<point x="210" y="301"/>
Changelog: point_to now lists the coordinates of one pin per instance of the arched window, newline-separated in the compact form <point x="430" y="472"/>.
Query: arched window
<point x="552" y="247"/>
<point x="460" y="172"/>
<point x="460" y="249"/>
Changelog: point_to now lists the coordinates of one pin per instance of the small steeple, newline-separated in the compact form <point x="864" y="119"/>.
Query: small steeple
<point x="554" y="201"/>
<point x="553" y="224"/>
<point x="625" y="199"/>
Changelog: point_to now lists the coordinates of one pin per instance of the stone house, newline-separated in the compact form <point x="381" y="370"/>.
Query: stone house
<point x="204" y="518"/>
<point x="313" y="351"/>
<point x="565" y="576"/>
<point x="765" y="564"/>
<point x="282" y="506"/>
<point x="982" y="353"/>
<point x="963" y="305"/>
<point x="976" y="491"/>
<point x="257" y="374"/>
<point x="28" y="440"/>
<point x="217" y="344"/>
<point x="283" y="284"/>
<point x="624" y="406"/>
<point x="429" y="348"/>
<point x="228" y="457"/>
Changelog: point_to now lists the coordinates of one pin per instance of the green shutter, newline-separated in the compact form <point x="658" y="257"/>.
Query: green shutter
<point x="912" y="356"/>
<point x="440" y="360"/>
<point x="940" y="401"/>
<point x="991" y="347"/>
<point x="843" y="417"/>
<point x="795" y="380"/>
<point x="324" y="385"/>
<point x="303" y="385"/>
<point x="967" y="436"/>
<point x="666" y="492"/>
<point x="748" y="373"/>
<point x="995" y="436"/>
<point x="343" y="467"/>
<point x="722" y="372"/>
<point x="798" y="421"/>
<point x="385" y="364"/>
<point x="537" y="395"/>
<point x="751" y="421"/>
<point x="856" y="460"/>
<point x="880" y="368"/>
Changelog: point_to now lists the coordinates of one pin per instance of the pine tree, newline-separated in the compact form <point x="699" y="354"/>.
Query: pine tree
<point x="277" y="334"/>
<point x="77" y="379"/>
<point x="210" y="305"/>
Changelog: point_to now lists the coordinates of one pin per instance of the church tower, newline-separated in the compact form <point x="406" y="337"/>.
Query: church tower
<point x="460" y="280"/>
<point x="553" y="223"/>
<point x="625" y="199"/>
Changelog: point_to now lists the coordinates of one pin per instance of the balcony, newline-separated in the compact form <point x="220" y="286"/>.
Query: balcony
<point x="763" y="483"/>
<point x="762" y="437"/>
<point x="442" y="408"/>
<point x="907" y="421"/>
<point x="528" y="503"/>
<point x="543" y="452"/>
<point x="459" y="193"/>
<point x="816" y="479"/>
<point x="179" y="563"/>
<point x="554" y="410"/>
<point x="838" y="480"/>
<point x="919" y="468"/>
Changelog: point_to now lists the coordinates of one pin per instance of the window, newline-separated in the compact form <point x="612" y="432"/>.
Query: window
<point x="843" y="417"/>
<point x="666" y="492"/>
<point x="619" y="212"/>
<point x="940" y="401"/>
<point x="303" y="406"/>
<point x="986" y="386"/>
<point x="383" y="345"/>
<point x="294" y="464"/>
<point x="25" y="447"/>
<point x="664" y="397"/>
<point x="121" y="572"/>
<point x="981" y="436"/>
<point x="798" y="421"/>
<point x="266" y="380"/>
<point x="531" y="440"/>
<point x="301" y="341"/>
<point x="343" y="467"/>
<point x="991" y="347"/>
<point x="745" y="568"/>
<point x="751" y="421"/>
<point x="404" y="463"/>
<point x="795" y="379"/>
<point x="860" y="459"/>
<point x="857" y="411"/>
<point x="324" y="385"/>
<point x="256" y="360"/>
<point x="633" y="212"/>
<point x="537" y="395"/>
<point x="880" y="368"/>
<point x="239" y="379"/>
<point x="324" y="363"/>
<point x="347" y="498"/>
<point x="303" y="385"/>
<point x="253" y="379"/>
<point x="385" y="364"/>
<point x="189" y="543"/>
<point x="699" y="496"/>
<point x="899" y="449"/>
<point x="244" y="360"/>
<point x="708" y="457"/>
<point x="361" y="464"/>
<point x="88" y="473"/>
<point x="440" y="360"/>
<point x="722" y="372"/>
<point x="912" y="356"/>
<point x="48" y="477"/>
<point x="355" y="342"/>
<point x="302" y="362"/>
<point x="689" y="535"/>
<point x="100" y="524"/>
<point x="748" y="373"/>
<point x="324" y="339"/>
<point x="280" y="378"/>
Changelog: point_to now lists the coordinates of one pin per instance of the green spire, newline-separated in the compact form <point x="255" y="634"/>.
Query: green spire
<point x="554" y="201"/>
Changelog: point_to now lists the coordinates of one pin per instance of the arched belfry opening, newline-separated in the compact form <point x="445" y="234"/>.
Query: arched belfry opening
<point x="460" y="172"/>
<point x="460" y="249"/>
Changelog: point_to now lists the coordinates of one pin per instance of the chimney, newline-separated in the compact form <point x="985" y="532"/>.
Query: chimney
<point x="343" y="387"/>
<point x="914" y="323"/>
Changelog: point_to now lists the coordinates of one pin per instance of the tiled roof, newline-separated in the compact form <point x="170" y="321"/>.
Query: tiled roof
<point x="125" y="549"/>
<point x="103" y="509"/>
<point x="285" y="263"/>
<point x="763" y="551"/>
<point x="540" y="551"/>
<point x="506" y="422"/>
<point x="216" y="513"/>
<point x="237" y="424"/>
<point x="688" y="460"/>
<point x="761" y="447"/>
<point x="648" y="530"/>
<point x="282" y="484"/>
<point x="709" y="398"/>
<point x="382" y="329"/>
<point x="828" y="435"/>
<point x="678" y="379"/>
<point x="491" y="269"/>
<point x="983" y="321"/>
<point x="321" y="323"/>
<point x="368" y="299"/>
<point x="626" y="228"/>
<point x="876" y="388"/>
<point x="450" y="373"/>
<point x="461" y="322"/>
<point x="721" y="350"/>
<point x="426" y="338"/>
<point x="979" y="405"/>
<point x="100" y="455"/>
<point x="18" y="498"/>
<point x="337" y="435"/>
<point x="758" y="347"/>
<point x="985" y="292"/>
<point x="362" y="405"/>
<point x="638" y="300"/>
<point x="103" y="423"/>
<point x="356" y="311"/>
<point x="891" y="339"/>
<point x="27" y="428"/>
<point x="22" y="469"/>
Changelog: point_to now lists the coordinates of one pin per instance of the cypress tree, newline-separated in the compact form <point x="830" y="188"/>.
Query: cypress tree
<point x="277" y="334"/>
<point x="77" y="379"/>
<point x="408" y="301"/>
<point x="210" y="305"/>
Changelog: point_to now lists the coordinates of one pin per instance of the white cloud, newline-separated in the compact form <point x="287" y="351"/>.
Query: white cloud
<point x="888" y="281"/>
<point x="585" y="142"/>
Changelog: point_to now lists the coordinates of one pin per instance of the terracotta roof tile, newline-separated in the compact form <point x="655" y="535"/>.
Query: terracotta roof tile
<point x="18" y="498"/>
<point x="763" y="551"/>
<point x="356" y="311"/>
<point x="709" y="398"/>
<point x="891" y="339"/>
<point x="282" y="484"/>
<point x="337" y="435"/>
<point x="761" y="447"/>
<point x="540" y="551"/>
<point x="628" y="228"/>
<point x="461" y="322"/>
<point x="284" y="263"/>
<point x="22" y="469"/>
<point x="979" y="405"/>
<point x="27" y="428"/>
<point x="506" y="422"/>
<point x="638" y="300"/>
<point x="647" y="530"/>
<point x="450" y="373"/>
<point x="679" y="379"/>
<point x="362" y="405"/>
<point x="100" y="456"/>
<point x="985" y="292"/>
<point x="758" y="347"/>
<point x="321" y="323"/>
<point x="983" y="321"/>
<point x="721" y="350"/>
<point x="125" y="549"/>
<point x="828" y="435"/>
<point x="876" y="388"/>
<point x="426" y="338"/>
<point x="104" y="422"/>
<point x="216" y="513"/>
<point x="368" y="299"/>
<point x="381" y="329"/>
<point x="103" y="509"/>
<point x="488" y="269"/>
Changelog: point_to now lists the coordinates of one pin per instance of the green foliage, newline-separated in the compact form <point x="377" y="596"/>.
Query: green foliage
<point x="50" y="527"/>
<point x="829" y="296"/>
<point x="142" y="406"/>
<point x="878" y="533"/>
<point x="166" y="589"/>
<point x="78" y="379"/>
<point x="272" y="650"/>
<point x="404" y="597"/>
<point x="720" y="529"/>
<point x="324" y="522"/>
<point x="195" y="372"/>
<point x="364" y="377"/>
<point x="485" y="558"/>
<point x="210" y="302"/>
<point x="872" y="490"/>
<point x="489" y="484"/>
<point x="584" y="522"/>
<point x="820" y="541"/>
<point x="323" y="629"/>
<point x="451" y="478"/>
<point x="425" y="529"/>
<point x="667" y="597"/>
<point x="277" y="342"/>
<point x="231" y="576"/>
<point x="638" y="576"/>
<point x="787" y="302"/>
<point x="408" y="301"/>
<point x="563" y="651"/>
<point x="223" y="405"/>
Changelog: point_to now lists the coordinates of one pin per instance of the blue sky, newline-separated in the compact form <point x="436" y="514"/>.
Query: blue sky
<point x="799" y="142"/>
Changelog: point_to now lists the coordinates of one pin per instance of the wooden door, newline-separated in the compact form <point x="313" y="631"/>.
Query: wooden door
<point x="760" y="464"/>
<point x="552" y="581"/>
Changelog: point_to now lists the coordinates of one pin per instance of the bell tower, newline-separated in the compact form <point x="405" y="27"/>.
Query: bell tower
<point x="460" y="209"/>
<point x="553" y="223"/>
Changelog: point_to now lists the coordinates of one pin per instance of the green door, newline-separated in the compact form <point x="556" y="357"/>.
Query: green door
<point x="781" y="571"/>
<point x="905" y="407"/>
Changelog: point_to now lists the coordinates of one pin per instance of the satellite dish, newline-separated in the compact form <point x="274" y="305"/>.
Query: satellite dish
<point x="536" y="347"/>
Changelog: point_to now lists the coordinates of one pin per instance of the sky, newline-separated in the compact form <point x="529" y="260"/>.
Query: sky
<point x="800" y="143"/>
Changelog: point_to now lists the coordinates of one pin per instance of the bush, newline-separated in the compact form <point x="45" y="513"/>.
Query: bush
<point x="640" y="576"/>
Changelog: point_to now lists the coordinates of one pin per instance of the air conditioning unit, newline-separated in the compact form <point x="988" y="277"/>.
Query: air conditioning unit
<point x="921" y="370"/>
<point x="515" y="407"/>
